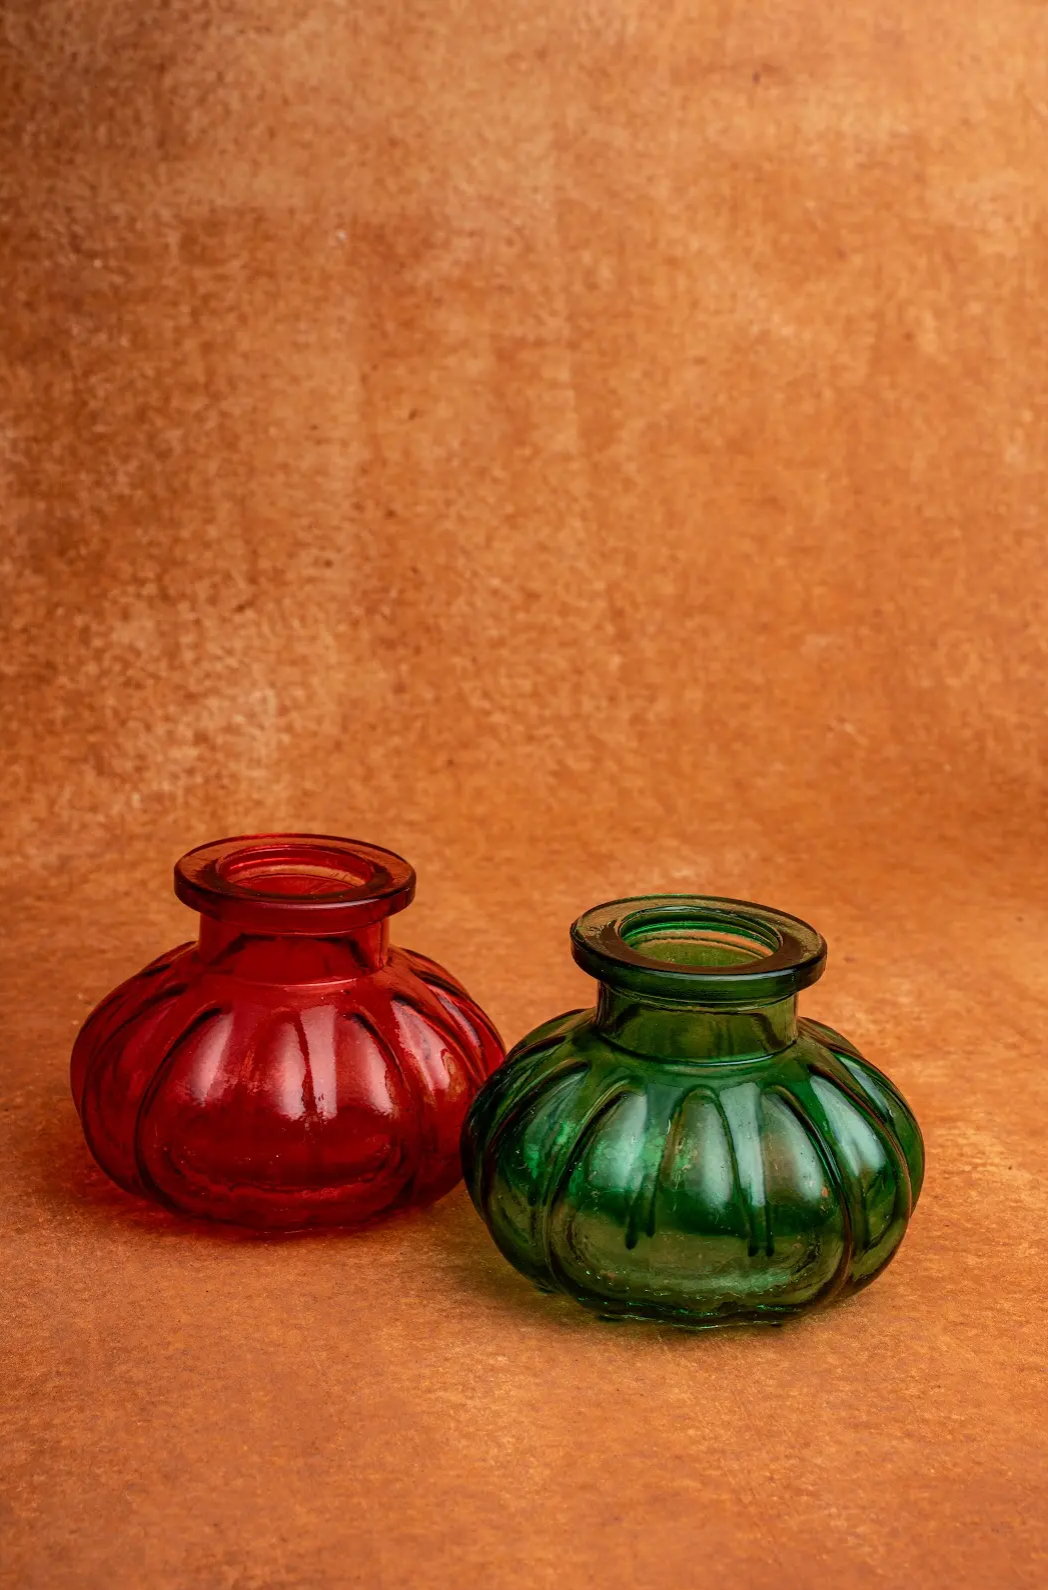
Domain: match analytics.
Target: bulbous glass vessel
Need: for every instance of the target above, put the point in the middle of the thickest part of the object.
(689, 1151)
(290, 1068)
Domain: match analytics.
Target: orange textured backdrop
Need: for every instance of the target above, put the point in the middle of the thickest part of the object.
(590, 447)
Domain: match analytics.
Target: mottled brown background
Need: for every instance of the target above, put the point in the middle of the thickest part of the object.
(592, 447)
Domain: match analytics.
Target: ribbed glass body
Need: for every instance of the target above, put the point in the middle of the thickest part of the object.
(689, 1150)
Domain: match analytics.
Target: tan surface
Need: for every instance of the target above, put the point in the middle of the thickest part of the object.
(591, 448)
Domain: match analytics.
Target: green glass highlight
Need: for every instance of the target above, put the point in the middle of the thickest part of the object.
(689, 1150)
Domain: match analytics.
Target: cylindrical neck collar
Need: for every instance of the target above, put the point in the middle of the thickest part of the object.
(694, 1032)
(291, 958)
(293, 908)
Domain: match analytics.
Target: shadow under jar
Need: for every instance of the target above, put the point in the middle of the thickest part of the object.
(689, 1151)
(291, 1068)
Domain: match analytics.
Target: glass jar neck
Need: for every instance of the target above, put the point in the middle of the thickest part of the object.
(292, 957)
(691, 1031)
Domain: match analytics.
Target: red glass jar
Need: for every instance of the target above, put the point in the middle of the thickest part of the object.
(291, 1068)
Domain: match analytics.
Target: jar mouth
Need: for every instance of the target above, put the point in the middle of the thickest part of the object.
(294, 883)
(698, 949)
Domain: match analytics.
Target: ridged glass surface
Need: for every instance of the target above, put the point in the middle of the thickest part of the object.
(681, 1161)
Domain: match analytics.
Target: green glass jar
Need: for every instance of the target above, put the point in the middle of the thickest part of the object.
(689, 1151)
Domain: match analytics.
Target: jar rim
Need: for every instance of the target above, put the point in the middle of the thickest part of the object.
(294, 883)
(788, 953)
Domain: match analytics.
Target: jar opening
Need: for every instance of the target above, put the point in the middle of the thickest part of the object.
(698, 949)
(293, 868)
(698, 940)
(294, 883)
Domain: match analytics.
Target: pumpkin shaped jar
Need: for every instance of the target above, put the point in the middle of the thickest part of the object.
(688, 1150)
(290, 1068)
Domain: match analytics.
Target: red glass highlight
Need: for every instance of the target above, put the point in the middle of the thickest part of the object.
(291, 1068)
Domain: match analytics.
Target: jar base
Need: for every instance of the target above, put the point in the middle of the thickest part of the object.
(642, 1316)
